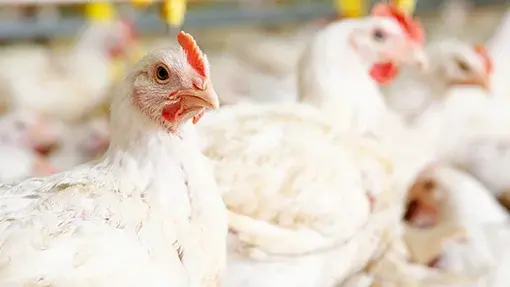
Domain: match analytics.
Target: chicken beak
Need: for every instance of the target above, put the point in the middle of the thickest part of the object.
(207, 96)
(419, 59)
(483, 82)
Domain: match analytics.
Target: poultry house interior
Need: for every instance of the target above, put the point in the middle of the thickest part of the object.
(398, 109)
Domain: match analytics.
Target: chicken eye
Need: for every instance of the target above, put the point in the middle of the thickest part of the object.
(162, 74)
(379, 35)
(463, 66)
(429, 185)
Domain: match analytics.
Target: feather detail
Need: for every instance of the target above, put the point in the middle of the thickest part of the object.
(482, 51)
(194, 55)
(412, 27)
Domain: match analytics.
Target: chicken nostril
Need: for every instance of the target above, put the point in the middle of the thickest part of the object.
(371, 201)
(435, 262)
(411, 210)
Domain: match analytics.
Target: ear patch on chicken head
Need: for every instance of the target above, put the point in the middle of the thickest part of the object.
(412, 27)
(480, 50)
(194, 55)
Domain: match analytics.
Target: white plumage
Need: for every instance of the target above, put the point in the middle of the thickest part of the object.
(481, 252)
(297, 179)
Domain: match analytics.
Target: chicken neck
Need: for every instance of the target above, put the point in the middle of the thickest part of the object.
(333, 77)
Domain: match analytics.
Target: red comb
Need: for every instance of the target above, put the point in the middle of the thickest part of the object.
(194, 55)
(480, 50)
(412, 27)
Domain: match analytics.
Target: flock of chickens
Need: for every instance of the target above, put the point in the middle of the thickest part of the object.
(350, 154)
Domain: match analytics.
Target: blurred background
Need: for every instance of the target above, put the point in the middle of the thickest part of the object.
(60, 59)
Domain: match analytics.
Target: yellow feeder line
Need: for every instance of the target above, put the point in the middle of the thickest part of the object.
(100, 11)
(173, 11)
(408, 6)
(350, 8)
(141, 3)
(105, 12)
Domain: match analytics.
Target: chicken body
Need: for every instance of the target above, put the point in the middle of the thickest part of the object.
(113, 223)
(146, 214)
(307, 197)
(477, 248)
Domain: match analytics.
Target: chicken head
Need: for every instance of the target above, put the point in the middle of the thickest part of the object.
(423, 202)
(31, 130)
(462, 64)
(387, 39)
(171, 88)
(122, 40)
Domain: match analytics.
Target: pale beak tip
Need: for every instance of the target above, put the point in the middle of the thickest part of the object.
(213, 102)
(422, 64)
(485, 84)
(211, 97)
(421, 61)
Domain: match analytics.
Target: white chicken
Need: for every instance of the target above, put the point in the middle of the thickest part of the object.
(81, 143)
(147, 214)
(30, 130)
(369, 59)
(482, 119)
(366, 56)
(297, 183)
(457, 225)
(465, 123)
(452, 63)
(66, 85)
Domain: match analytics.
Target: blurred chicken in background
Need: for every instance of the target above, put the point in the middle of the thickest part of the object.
(81, 143)
(452, 63)
(32, 131)
(455, 224)
(65, 85)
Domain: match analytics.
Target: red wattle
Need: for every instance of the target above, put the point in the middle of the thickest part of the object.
(384, 73)
(198, 116)
(172, 112)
